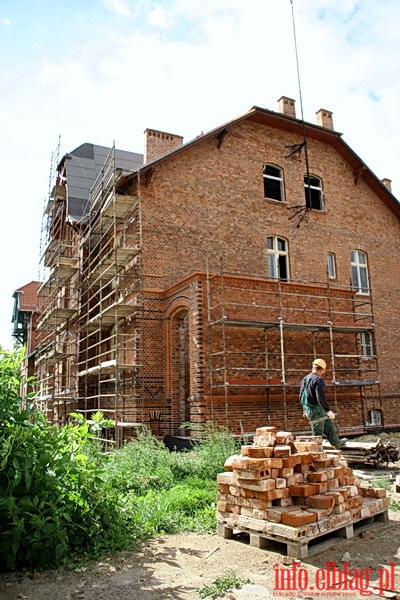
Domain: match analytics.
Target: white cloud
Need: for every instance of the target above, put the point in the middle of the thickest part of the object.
(160, 17)
(121, 7)
(6, 22)
(186, 66)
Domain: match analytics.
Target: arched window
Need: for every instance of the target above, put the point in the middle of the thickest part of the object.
(313, 192)
(278, 264)
(367, 348)
(359, 271)
(273, 183)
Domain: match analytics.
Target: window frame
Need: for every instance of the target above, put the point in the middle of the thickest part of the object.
(274, 178)
(367, 344)
(331, 263)
(315, 188)
(275, 257)
(359, 271)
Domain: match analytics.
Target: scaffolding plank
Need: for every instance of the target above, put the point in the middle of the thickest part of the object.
(56, 316)
(355, 382)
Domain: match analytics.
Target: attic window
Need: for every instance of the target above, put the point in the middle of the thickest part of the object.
(313, 192)
(273, 183)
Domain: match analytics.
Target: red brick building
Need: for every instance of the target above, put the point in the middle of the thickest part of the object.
(24, 319)
(201, 283)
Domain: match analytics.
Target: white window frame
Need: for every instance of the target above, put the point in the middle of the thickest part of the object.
(314, 188)
(359, 272)
(274, 178)
(277, 256)
(331, 265)
(367, 345)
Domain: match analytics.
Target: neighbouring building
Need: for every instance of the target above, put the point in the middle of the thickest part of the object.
(24, 320)
(199, 281)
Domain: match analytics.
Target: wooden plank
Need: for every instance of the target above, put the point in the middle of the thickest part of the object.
(305, 546)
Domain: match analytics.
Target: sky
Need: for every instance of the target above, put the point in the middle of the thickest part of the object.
(102, 71)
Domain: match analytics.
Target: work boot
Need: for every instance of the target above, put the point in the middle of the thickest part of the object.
(342, 443)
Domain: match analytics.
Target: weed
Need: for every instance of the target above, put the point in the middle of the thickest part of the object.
(141, 465)
(382, 482)
(220, 586)
(394, 504)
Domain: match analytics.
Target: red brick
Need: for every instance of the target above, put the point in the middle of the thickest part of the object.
(275, 494)
(354, 502)
(376, 492)
(292, 461)
(284, 437)
(321, 488)
(265, 430)
(266, 439)
(282, 452)
(317, 476)
(297, 518)
(320, 501)
(302, 490)
(257, 452)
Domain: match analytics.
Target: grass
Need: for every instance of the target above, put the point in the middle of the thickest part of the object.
(220, 586)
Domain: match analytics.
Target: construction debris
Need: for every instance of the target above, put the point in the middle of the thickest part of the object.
(377, 453)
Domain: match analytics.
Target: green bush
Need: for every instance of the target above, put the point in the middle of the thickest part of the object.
(53, 501)
(187, 506)
(61, 497)
(207, 458)
(140, 465)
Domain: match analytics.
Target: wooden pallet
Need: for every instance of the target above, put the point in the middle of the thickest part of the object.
(304, 547)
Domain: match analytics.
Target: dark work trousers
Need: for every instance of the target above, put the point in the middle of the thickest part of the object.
(323, 427)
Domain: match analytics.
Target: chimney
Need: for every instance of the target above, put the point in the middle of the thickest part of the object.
(324, 118)
(388, 183)
(158, 143)
(287, 106)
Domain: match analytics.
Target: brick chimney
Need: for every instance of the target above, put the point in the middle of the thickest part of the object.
(158, 143)
(388, 183)
(324, 118)
(287, 106)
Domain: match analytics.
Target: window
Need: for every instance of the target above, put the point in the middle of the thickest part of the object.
(331, 265)
(374, 417)
(313, 192)
(273, 183)
(366, 344)
(359, 271)
(277, 258)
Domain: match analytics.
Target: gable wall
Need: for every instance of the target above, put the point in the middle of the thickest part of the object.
(207, 203)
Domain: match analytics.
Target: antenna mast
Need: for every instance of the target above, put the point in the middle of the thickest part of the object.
(301, 211)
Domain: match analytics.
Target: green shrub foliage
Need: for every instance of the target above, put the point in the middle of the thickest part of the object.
(53, 500)
(62, 497)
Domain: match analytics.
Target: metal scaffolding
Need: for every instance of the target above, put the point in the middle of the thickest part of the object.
(59, 301)
(90, 352)
(110, 324)
(264, 335)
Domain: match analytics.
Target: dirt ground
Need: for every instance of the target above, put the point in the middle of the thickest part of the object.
(176, 567)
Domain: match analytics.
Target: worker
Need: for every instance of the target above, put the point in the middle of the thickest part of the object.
(315, 405)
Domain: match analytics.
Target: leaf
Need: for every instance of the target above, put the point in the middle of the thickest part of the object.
(81, 457)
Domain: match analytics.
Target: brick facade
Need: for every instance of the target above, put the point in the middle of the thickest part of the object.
(205, 206)
(217, 338)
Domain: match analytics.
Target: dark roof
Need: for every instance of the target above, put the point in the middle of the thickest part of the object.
(281, 121)
(82, 168)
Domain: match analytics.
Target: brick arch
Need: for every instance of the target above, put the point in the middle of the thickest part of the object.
(178, 381)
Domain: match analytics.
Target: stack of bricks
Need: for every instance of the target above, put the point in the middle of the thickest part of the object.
(292, 487)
